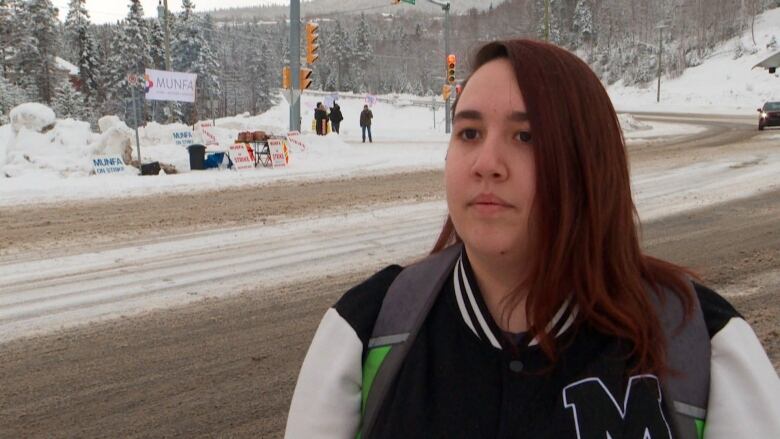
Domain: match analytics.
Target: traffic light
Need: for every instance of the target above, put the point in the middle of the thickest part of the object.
(305, 77)
(446, 91)
(312, 35)
(451, 69)
(286, 78)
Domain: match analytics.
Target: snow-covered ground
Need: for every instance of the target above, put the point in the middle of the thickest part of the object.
(56, 165)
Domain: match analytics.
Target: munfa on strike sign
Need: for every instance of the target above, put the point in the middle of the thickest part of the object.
(162, 85)
(108, 165)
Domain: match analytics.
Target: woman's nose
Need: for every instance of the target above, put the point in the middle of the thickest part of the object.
(490, 162)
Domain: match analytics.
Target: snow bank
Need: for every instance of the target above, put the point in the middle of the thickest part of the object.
(629, 123)
(106, 122)
(32, 116)
(36, 144)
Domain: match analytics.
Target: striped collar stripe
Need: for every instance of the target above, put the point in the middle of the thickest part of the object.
(469, 306)
(467, 299)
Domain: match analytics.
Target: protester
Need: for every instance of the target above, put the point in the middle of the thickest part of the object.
(336, 117)
(365, 123)
(321, 119)
(537, 314)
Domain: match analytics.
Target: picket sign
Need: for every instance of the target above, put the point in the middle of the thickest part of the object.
(294, 138)
(108, 165)
(279, 153)
(183, 138)
(207, 136)
(240, 157)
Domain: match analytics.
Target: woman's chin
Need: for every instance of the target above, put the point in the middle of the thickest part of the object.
(491, 248)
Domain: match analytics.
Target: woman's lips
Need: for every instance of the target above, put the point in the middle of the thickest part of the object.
(488, 203)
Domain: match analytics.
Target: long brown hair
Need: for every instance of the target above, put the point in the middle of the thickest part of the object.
(584, 227)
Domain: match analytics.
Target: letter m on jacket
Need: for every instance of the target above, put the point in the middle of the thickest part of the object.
(597, 414)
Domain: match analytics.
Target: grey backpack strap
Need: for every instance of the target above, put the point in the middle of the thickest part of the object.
(687, 386)
(404, 309)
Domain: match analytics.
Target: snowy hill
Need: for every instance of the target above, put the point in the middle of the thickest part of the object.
(723, 83)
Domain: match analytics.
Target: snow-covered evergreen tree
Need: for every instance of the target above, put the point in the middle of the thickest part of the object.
(129, 54)
(260, 75)
(363, 54)
(76, 20)
(68, 103)
(22, 50)
(42, 66)
(6, 34)
(583, 22)
(192, 53)
(341, 53)
(77, 30)
(156, 44)
(10, 96)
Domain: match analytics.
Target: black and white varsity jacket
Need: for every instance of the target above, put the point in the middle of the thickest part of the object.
(464, 378)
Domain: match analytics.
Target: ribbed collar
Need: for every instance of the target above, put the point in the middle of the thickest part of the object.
(477, 317)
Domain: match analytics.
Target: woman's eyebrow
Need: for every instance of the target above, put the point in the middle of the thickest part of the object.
(518, 116)
(468, 114)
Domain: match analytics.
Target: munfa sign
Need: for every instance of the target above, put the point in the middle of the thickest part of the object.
(183, 138)
(108, 165)
(162, 85)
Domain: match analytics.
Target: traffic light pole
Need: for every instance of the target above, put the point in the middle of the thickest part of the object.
(447, 115)
(445, 6)
(295, 64)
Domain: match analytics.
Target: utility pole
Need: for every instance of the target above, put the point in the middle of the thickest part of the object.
(295, 64)
(445, 6)
(546, 20)
(162, 13)
(660, 28)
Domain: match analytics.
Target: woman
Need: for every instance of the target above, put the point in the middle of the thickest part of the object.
(321, 119)
(549, 322)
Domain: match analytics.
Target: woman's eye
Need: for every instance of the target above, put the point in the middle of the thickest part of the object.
(524, 136)
(469, 134)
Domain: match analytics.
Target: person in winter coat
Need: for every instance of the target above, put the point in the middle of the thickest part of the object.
(365, 123)
(321, 119)
(537, 314)
(336, 117)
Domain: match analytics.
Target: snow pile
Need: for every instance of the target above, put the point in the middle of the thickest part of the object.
(37, 144)
(32, 116)
(402, 125)
(116, 139)
(629, 123)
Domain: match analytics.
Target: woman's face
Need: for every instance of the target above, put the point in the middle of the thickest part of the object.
(490, 173)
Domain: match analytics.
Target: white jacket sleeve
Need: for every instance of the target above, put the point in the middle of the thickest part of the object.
(326, 401)
(744, 399)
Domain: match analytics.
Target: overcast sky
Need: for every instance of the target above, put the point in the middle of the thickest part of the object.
(109, 11)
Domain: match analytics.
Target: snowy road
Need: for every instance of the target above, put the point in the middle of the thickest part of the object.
(45, 294)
